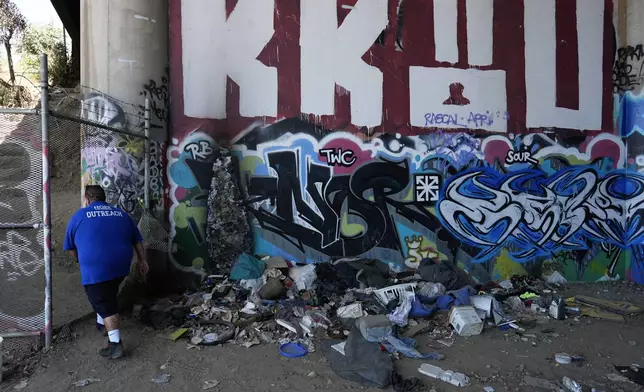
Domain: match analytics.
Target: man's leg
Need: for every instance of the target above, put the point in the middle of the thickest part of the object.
(114, 348)
(112, 324)
(100, 324)
(104, 299)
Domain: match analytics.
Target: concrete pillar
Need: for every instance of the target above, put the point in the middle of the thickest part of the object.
(124, 46)
(629, 103)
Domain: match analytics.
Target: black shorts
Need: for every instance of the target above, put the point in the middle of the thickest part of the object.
(104, 297)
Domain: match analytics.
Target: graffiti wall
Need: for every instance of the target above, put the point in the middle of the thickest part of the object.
(189, 173)
(493, 204)
(116, 161)
(492, 137)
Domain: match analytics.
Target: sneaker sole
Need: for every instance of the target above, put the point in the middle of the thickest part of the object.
(116, 356)
(113, 356)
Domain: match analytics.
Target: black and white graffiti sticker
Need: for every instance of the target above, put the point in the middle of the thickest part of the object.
(427, 187)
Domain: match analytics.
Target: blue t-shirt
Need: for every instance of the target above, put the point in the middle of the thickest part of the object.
(103, 236)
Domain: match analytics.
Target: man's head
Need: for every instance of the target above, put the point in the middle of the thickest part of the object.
(94, 193)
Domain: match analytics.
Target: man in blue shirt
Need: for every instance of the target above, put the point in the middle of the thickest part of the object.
(100, 238)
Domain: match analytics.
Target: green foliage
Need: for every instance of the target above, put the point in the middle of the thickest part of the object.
(46, 39)
(12, 23)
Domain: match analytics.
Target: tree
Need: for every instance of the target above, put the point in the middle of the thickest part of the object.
(12, 23)
(50, 40)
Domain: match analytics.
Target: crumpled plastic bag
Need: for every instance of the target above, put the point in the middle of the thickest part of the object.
(400, 315)
(303, 277)
(429, 289)
(254, 285)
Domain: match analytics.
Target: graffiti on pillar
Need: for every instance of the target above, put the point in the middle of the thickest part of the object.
(629, 113)
(156, 174)
(112, 160)
(628, 72)
(628, 80)
(158, 94)
(189, 174)
(116, 168)
(103, 110)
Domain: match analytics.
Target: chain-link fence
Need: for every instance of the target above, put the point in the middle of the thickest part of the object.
(89, 138)
(22, 286)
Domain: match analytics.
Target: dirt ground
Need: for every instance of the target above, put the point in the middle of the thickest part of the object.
(68, 295)
(498, 359)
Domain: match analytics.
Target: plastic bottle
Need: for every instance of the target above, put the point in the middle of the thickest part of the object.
(572, 385)
(557, 309)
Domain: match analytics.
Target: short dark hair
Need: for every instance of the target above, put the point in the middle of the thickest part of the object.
(94, 193)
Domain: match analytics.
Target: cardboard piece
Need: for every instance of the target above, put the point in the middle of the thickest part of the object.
(353, 310)
(465, 320)
(177, 334)
(600, 314)
(619, 307)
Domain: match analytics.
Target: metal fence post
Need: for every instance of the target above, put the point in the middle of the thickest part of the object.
(82, 146)
(147, 156)
(46, 196)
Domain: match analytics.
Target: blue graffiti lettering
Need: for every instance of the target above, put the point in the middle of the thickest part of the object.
(538, 215)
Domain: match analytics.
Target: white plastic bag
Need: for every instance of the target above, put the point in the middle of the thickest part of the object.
(303, 277)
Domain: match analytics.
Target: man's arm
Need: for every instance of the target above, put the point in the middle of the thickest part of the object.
(74, 254)
(69, 244)
(140, 251)
(140, 254)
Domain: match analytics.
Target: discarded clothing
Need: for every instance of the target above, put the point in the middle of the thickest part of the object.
(450, 276)
(401, 385)
(455, 298)
(247, 267)
(363, 273)
(407, 347)
(420, 310)
(375, 328)
(633, 373)
(363, 361)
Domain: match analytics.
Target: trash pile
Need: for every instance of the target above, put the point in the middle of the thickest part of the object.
(360, 315)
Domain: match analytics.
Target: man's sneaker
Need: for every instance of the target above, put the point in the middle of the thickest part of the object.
(101, 328)
(112, 351)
